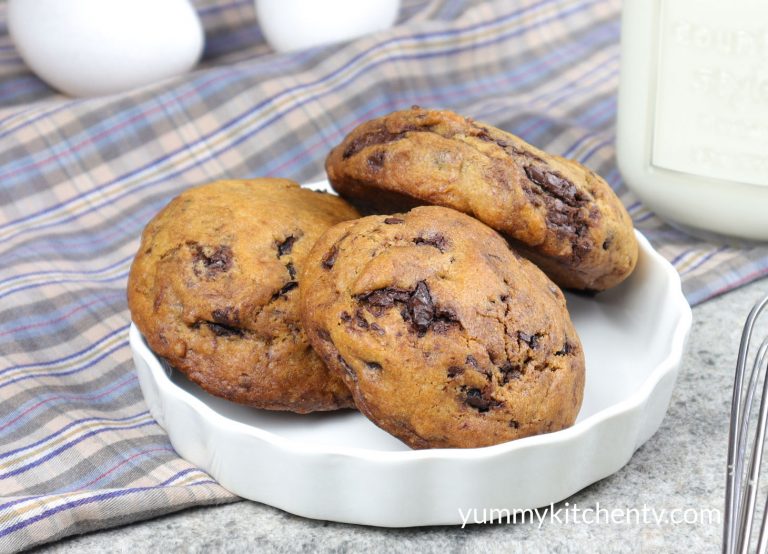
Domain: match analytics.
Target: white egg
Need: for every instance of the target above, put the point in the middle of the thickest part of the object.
(96, 47)
(294, 24)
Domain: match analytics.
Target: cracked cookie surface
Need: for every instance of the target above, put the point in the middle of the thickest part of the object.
(557, 212)
(445, 336)
(214, 290)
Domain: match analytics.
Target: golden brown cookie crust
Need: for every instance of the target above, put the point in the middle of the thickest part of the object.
(446, 337)
(214, 290)
(559, 213)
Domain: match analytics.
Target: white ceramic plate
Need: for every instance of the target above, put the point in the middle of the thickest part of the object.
(341, 467)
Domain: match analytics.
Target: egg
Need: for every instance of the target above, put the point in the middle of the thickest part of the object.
(294, 24)
(98, 47)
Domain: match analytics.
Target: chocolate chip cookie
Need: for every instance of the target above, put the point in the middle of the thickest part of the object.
(557, 212)
(445, 336)
(214, 290)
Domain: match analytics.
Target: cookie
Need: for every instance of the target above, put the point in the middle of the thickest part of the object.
(214, 290)
(445, 336)
(557, 212)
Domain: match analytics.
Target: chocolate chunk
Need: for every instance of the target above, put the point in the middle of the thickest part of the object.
(472, 361)
(385, 298)
(285, 246)
(514, 424)
(476, 399)
(563, 203)
(484, 134)
(394, 221)
(330, 257)
(510, 372)
(378, 329)
(564, 208)
(555, 185)
(376, 160)
(379, 136)
(567, 349)
(211, 259)
(344, 316)
(376, 366)
(291, 270)
(360, 320)
(404, 313)
(323, 334)
(530, 340)
(436, 240)
(416, 307)
(454, 371)
(514, 151)
(289, 286)
(226, 316)
(420, 308)
(444, 320)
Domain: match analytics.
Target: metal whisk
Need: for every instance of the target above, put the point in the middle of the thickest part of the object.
(741, 485)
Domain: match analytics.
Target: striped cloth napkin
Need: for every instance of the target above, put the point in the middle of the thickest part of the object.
(79, 178)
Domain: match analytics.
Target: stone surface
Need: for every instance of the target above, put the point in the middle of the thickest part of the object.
(681, 467)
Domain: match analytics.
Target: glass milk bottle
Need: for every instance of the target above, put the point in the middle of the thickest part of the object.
(692, 140)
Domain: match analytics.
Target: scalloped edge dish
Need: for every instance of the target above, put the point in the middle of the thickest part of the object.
(634, 337)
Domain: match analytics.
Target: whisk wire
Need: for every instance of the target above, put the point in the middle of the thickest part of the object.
(750, 494)
(740, 502)
(762, 542)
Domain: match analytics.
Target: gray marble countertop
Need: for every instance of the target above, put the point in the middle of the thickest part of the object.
(680, 468)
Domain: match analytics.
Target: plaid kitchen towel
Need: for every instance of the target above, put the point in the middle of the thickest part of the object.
(79, 178)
